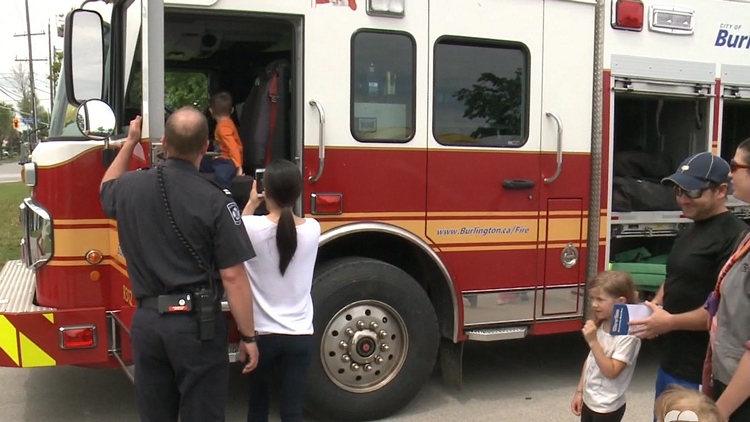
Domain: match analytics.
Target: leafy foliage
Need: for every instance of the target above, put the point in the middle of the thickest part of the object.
(496, 100)
(183, 88)
(56, 66)
(11, 194)
(180, 89)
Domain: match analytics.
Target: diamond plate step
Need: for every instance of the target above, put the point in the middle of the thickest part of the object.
(17, 285)
(497, 334)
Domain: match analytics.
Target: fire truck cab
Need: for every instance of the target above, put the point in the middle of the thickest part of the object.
(459, 155)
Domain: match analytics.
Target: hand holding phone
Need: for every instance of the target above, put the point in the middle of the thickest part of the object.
(259, 173)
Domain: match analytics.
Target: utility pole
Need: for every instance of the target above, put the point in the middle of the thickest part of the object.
(31, 60)
(50, 61)
(31, 70)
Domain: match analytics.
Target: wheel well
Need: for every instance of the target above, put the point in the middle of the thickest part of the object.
(405, 255)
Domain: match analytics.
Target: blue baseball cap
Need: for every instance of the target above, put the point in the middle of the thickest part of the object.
(697, 171)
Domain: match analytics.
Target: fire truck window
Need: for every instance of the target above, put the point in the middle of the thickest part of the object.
(181, 88)
(480, 94)
(383, 70)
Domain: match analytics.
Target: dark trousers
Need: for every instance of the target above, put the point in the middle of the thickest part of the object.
(290, 356)
(742, 414)
(207, 164)
(175, 372)
(224, 172)
(587, 415)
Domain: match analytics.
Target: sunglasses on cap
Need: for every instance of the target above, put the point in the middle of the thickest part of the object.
(691, 193)
(734, 166)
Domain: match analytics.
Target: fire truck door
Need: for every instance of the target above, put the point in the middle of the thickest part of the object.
(483, 170)
(567, 83)
(364, 122)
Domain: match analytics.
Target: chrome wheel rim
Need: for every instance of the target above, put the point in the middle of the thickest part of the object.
(364, 346)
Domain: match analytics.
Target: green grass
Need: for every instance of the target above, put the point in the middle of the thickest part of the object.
(11, 195)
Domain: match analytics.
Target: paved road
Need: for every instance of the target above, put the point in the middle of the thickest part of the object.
(10, 172)
(527, 380)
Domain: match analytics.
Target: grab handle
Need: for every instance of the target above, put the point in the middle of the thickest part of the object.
(321, 142)
(548, 180)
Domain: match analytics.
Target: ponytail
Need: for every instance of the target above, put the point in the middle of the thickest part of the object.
(286, 238)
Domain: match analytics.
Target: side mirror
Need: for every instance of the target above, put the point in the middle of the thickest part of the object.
(83, 61)
(96, 120)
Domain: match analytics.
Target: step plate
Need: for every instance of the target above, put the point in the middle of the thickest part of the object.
(17, 289)
(497, 334)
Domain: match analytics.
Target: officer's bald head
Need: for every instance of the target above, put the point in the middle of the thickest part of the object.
(186, 133)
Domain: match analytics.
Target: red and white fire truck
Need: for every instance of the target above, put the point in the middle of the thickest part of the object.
(459, 155)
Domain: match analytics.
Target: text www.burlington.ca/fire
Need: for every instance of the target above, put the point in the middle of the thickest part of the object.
(483, 231)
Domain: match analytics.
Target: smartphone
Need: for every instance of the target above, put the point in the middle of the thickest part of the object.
(259, 173)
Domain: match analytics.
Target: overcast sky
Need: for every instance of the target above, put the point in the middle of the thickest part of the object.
(12, 22)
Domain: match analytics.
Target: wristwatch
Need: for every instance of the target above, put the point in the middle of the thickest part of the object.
(248, 339)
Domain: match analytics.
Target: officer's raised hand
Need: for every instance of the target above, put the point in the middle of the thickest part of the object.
(134, 131)
(249, 350)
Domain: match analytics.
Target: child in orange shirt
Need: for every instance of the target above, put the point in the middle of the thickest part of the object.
(228, 144)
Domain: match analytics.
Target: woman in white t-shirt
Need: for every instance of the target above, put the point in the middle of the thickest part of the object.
(609, 367)
(281, 273)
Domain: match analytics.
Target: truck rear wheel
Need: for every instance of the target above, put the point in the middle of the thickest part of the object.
(377, 338)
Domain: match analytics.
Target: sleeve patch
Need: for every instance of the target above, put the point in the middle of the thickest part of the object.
(234, 211)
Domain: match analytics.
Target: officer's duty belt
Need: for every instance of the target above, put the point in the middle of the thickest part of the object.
(153, 302)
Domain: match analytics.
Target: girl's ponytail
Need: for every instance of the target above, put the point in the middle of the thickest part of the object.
(286, 238)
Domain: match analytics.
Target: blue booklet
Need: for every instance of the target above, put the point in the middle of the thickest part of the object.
(624, 313)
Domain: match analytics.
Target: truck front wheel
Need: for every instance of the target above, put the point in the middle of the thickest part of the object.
(377, 339)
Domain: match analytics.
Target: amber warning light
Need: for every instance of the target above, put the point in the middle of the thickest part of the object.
(628, 14)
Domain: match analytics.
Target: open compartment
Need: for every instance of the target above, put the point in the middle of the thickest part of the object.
(735, 126)
(652, 135)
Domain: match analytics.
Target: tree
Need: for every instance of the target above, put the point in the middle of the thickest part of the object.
(496, 100)
(56, 66)
(180, 89)
(6, 121)
(185, 88)
(22, 86)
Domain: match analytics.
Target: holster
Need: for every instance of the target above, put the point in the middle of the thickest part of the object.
(206, 312)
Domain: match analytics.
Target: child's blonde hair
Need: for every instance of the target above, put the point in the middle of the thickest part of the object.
(616, 284)
(676, 400)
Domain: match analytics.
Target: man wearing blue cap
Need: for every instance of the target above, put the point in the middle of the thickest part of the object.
(698, 253)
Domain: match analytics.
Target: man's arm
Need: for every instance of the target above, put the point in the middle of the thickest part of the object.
(120, 164)
(659, 297)
(661, 322)
(232, 248)
(695, 320)
(240, 297)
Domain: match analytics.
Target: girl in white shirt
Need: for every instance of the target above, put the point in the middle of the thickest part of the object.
(607, 372)
(281, 275)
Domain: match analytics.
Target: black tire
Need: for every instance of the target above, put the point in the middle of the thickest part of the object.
(372, 286)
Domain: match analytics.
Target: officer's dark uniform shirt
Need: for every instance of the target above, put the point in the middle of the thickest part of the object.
(158, 263)
(698, 254)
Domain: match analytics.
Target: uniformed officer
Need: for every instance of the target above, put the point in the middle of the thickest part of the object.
(179, 335)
